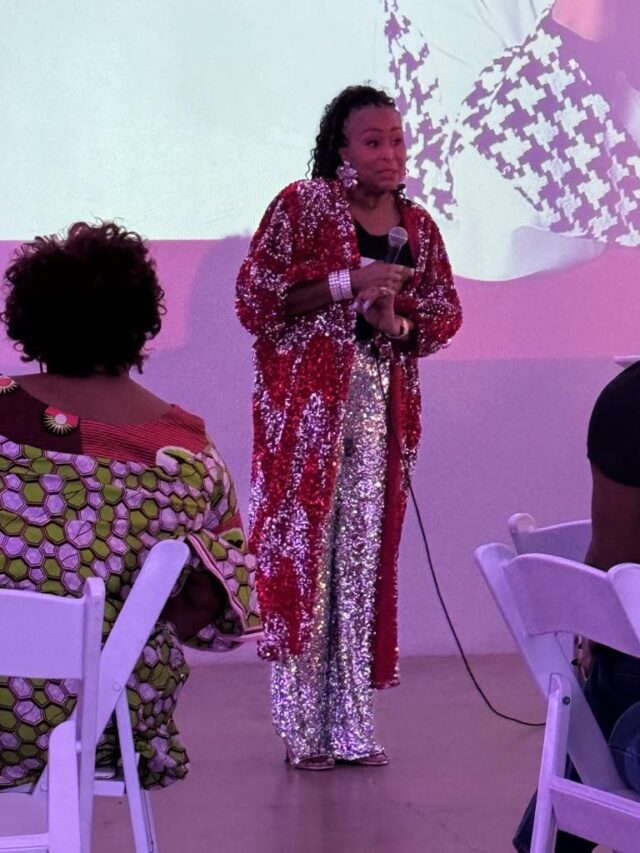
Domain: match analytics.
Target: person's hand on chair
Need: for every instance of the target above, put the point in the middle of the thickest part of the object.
(585, 657)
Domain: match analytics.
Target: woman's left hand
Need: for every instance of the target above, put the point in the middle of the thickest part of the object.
(377, 305)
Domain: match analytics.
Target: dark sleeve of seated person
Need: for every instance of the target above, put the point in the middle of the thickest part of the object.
(614, 453)
(201, 601)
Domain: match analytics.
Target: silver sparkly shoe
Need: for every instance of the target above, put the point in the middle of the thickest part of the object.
(374, 759)
(311, 762)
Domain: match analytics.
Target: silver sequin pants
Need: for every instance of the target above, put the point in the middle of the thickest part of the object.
(322, 701)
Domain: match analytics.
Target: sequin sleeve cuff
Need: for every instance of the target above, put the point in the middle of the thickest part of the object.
(431, 302)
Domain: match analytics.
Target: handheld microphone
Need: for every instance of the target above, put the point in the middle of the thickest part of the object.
(396, 238)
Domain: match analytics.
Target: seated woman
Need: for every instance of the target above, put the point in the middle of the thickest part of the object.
(94, 469)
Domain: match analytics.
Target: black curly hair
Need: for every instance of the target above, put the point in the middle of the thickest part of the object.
(325, 158)
(84, 302)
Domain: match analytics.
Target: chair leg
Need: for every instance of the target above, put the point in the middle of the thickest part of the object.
(66, 832)
(545, 827)
(553, 764)
(139, 809)
(149, 821)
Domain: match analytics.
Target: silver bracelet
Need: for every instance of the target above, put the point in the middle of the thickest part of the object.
(340, 285)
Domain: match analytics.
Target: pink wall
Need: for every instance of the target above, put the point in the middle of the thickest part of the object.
(505, 410)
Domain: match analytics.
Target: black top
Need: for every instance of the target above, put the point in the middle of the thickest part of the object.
(375, 246)
(613, 445)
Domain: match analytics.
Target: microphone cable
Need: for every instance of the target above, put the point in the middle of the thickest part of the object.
(436, 583)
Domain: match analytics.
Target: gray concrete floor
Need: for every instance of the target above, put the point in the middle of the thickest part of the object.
(457, 783)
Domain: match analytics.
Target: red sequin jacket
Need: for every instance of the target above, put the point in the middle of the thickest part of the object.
(303, 367)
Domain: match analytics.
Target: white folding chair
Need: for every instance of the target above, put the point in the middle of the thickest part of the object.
(539, 597)
(51, 637)
(569, 540)
(625, 361)
(52, 824)
(120, 654)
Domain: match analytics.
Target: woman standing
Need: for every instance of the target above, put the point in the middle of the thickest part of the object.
(337, 421)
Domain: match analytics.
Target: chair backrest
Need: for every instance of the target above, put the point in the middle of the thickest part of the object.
(135, 622)
(49, 636)
(569, 540)
(541, 596)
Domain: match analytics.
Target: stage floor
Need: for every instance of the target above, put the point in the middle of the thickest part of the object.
(457, 783)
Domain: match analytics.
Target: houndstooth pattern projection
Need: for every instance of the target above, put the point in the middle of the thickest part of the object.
(538, 117)
(427, 126)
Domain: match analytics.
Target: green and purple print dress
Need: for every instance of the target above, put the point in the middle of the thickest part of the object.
(80, 498)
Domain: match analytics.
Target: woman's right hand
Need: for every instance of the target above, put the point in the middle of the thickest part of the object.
(380, 275)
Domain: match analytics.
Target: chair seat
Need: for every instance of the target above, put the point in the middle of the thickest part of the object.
(21, 814)
(112, 787)
(106, 771)
(612, 818)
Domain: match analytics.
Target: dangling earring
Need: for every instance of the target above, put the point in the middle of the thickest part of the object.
(403, 183)
(347, 175)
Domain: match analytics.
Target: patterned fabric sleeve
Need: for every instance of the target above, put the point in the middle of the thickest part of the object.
(265, 276)
(219, 546)
(305, 234)
(431, 302)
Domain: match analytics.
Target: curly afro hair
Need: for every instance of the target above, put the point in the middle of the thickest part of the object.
(85, 302)
(324, 157)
